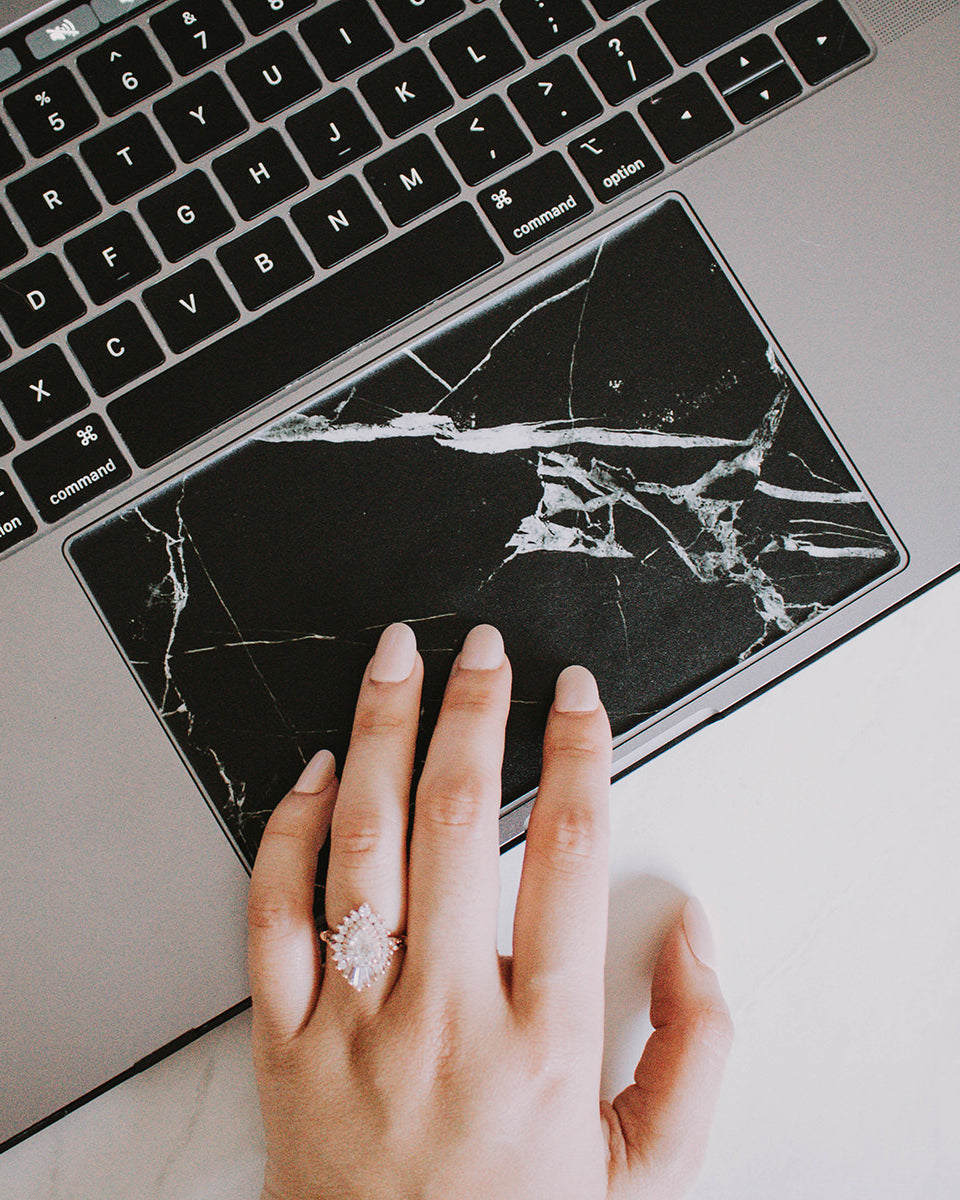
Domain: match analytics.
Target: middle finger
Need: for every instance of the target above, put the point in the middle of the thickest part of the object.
(454, 850)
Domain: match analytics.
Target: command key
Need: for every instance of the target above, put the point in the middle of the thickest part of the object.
(534, 202)
(71, 468)
(15, 520)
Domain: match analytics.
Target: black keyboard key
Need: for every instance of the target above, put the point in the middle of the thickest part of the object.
(345, 36)
(615, 157)
(261, 15)
(691, 28)
(16, 523)
(122, 70)
(543, 25)
(272, 76)
(410, 18)
(126, 158)
(411, 179)
(185, 215)
(195, 32)
(39, 299)
(53, 199)
(190, 306)
(534, 202)
(6, 440)
(624, 60)
(685, 117)
(405, 92)
(41, 391)
(338, 221)
(608, 9)
(763, 95)
(200, 116)
(483, 140)
(264, 263)
(476, 53)
(12, 245)
(115, 348)
(749, 61)
(260, 173)
(331, 316)
(111, 257)
(554, 99)
(332, 133)
(71, 468)
(822, 41)
(50, 111)
(10, 157)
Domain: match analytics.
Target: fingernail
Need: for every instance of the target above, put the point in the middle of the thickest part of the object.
(317, 774)
(395, 655)
(482, 649)
(699, 934)
(576, 691)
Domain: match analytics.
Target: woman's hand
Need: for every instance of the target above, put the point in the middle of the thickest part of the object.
(457, 1074)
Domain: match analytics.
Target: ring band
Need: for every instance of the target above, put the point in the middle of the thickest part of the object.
(361, 946)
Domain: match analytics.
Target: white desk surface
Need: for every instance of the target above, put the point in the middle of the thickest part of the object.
(820, 825)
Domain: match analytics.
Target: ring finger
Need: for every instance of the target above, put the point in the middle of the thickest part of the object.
(369, 827)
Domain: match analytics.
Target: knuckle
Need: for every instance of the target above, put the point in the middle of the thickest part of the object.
(275, 911)
(710, 1026)
(359, 831)
(468, 695)
(374, 722)
(570, 837)
(456, 801)
(580, 743)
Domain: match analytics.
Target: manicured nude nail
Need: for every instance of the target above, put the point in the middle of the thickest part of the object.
(395, 655)
(698, 932)
(576, 691)
(317, 774)
(482, 649)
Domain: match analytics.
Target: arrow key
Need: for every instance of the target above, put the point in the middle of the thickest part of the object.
(763, 95)
(822, 41)
(685, 117)
(737, 67)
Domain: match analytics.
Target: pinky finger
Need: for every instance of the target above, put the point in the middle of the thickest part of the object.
(283, 948)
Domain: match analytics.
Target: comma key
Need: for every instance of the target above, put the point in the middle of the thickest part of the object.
(71, 468)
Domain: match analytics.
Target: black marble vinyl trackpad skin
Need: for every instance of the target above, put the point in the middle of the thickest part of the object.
(610, 462)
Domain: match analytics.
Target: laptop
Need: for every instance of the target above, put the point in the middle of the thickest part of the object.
(630, 328)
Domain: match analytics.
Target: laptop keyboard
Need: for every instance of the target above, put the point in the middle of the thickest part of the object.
(203, 201)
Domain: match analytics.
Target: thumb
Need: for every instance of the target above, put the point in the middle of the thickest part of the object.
(660, 1124)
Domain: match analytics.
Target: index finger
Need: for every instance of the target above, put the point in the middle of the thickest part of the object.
(283, 946)
(560, 926)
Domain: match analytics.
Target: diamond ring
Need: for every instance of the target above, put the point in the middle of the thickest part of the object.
(361, 946)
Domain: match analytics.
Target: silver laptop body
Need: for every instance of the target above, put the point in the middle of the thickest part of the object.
(834, 215)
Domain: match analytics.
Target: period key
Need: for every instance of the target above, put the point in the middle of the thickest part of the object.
(71, 468)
